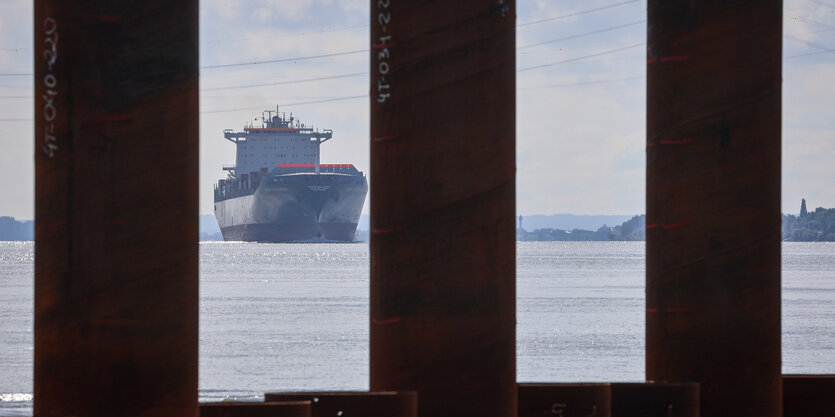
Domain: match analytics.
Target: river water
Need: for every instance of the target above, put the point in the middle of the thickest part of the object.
(295, 316)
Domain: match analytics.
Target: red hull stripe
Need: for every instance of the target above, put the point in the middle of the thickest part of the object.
(311, 166)
(271, 129)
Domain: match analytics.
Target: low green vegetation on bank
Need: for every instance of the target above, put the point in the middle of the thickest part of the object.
(809, 226)
(632, 229)
(11, 229)
(812, 226)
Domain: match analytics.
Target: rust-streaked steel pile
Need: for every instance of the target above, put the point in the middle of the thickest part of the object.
(116, 254)
(116, 286)
(443, 267)
(713, 201)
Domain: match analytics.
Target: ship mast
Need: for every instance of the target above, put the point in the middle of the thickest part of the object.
(268, 121)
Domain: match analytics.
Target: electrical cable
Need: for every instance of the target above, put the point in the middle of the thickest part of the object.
(288, 35)
(582, 12)
(816, 45)
(332, 77)
(580, 58)
(581, 83)
(821, 3)
(580, 35)
(287, 104)
(273, 61)
(828, 51)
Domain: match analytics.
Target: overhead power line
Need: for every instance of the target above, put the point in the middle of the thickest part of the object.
(360, 51)
(273, 61)
(580, 35)
(821, 3)
(260, 97)
(287, 35)
(828, 51)
(578, 13)
(816, 45)
(365, 73)
(338, 76)
(288, 104)
(581, 12)
(580, 58)
(613, 80)
(340, 98)
(332, 77)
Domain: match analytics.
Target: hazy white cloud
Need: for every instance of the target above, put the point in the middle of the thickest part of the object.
(808, 134)
(804, 22)
(580, 148)
(269, 43)
(290, 9)
(808, 169)
(16, 136)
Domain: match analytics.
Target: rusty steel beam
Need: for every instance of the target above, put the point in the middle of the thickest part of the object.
(442, 204)
(655, 399)
(713, 201)
(255, 409)
(353, 403)
(565, 400)
(808, 395)
(116, 204)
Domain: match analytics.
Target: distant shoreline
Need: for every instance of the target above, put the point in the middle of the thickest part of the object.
(814, 226)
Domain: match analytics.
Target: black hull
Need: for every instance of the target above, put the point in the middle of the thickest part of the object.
(295, 208)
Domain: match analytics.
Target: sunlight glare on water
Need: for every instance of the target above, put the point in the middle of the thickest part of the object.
(295, 316)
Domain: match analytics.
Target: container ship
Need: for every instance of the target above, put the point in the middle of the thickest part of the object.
(277, 191)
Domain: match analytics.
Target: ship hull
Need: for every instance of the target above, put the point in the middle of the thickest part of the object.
(291, 232)
(295, 208)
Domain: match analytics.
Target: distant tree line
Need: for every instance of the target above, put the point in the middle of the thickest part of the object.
(632, 229)
(815, 226)
(11, 229)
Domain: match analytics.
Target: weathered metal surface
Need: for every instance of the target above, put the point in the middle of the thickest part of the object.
(655, 399)
(565, 400)
(116, 142)
(442, 204)
(808, 395)
(354, 404)
(253, 409)
(713, 201)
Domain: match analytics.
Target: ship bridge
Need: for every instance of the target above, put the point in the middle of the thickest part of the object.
(277, 140)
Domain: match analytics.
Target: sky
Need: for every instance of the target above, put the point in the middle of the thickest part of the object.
(580, 123)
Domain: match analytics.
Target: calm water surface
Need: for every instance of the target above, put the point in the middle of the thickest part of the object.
(292, 317)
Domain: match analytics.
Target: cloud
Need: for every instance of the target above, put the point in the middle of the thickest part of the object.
(579, 148)
(808, 134)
